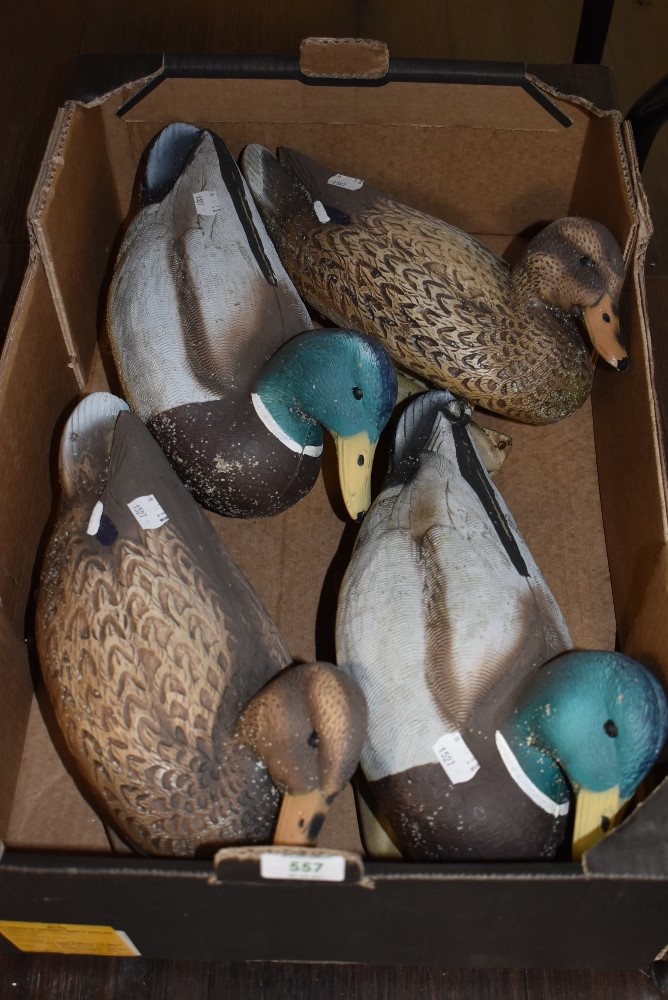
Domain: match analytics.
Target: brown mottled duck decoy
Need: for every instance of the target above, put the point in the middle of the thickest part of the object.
(215, 350)
(482, 720)
(171, 683)
(447, 308)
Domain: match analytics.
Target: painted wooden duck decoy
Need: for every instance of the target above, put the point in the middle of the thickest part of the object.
(480, 716)
(171, 683)
(447, 308)
(215, 350)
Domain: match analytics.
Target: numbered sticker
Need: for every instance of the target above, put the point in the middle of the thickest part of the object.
(206, 202)
(349, 183)
(321, 868)
(455, 758)
(148, 511)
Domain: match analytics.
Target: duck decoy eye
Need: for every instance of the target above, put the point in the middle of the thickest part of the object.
(357, 392)
(610, 728)
(314, 740)
(586, 261)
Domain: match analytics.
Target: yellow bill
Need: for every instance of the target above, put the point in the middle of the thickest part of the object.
(300, 819)
(355, 457)
(595, 814)
(602, 322)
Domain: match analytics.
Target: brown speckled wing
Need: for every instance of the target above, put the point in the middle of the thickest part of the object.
(151, 641)
(440, 300)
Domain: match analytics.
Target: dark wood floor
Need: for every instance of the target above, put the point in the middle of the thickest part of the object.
(39, 41)
(25, 978)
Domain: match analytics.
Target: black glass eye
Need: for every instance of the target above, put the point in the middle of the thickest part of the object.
(357, 392)
(586, 261)
(314, 740)
(610, 728)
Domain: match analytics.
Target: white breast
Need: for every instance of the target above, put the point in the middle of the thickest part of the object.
(433, 613)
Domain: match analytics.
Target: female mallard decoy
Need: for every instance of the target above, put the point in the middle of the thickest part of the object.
(476, 730)
(207, 333)
(165, 671)
(447, 307)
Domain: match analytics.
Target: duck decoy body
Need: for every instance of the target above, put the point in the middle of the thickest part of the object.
(447, 308)
(170, 681)
(475, 729)
(215, 350)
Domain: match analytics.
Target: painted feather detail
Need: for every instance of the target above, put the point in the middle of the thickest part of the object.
(209, 289)
(171, 709)
(435, 610)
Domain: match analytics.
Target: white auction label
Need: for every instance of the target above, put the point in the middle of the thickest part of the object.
(206, 202)
(349, 183)
(321, 211)
(95, 518)
(455, 758)
(321, 868)
(148, 511)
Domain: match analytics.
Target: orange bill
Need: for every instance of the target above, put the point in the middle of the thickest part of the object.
(602, 322)
(300, 819)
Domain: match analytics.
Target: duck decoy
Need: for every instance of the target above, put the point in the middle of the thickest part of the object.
(215, 350)
(448, 309)
(170, 681)
(481, 718)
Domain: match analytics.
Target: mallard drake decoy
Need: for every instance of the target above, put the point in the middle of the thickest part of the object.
(171, 683)
(447, 308)
(475, 728)
(215, 350)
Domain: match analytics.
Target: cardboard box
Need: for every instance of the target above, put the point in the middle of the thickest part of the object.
(497, 152)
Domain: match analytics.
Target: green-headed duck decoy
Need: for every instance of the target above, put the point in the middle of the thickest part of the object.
(481, 719)
(215, 350)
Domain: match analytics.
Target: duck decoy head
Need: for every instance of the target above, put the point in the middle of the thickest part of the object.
(341, 380)
(603, 718)
(576, 264)
(308, 724)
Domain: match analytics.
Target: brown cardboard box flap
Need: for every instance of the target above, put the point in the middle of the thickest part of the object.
(344, 58)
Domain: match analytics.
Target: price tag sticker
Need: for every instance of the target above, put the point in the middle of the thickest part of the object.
(317, 868)
(206, 202)
(455, 758)
(148, 511)
(349, 183)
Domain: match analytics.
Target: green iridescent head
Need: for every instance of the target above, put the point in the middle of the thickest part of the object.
(339, 380)
(600, 717)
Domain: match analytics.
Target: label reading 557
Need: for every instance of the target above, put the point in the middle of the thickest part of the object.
(321, 868)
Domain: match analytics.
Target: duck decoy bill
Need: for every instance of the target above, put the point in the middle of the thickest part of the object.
(595, 814)
(602, 323)
(300, 819)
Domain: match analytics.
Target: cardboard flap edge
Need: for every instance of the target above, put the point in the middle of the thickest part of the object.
(344, 58)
